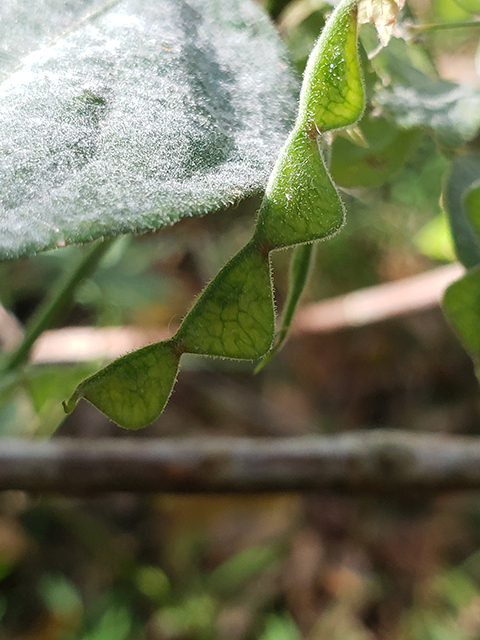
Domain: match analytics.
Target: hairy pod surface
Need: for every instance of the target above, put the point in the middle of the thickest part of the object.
(234, 316)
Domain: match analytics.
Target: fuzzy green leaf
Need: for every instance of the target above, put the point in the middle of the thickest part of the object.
(388, 148)
(127, 117)
(451, 110)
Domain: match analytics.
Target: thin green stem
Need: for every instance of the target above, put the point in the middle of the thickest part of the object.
(299, 270)
(57, 301)
(421, 28)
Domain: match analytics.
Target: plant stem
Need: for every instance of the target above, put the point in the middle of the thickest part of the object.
(299, 270)
(57, 301)
(445, 25)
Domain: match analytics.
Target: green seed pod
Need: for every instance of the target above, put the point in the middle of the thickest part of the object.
(332, 91)
(234, 317)
(133, 390)
(301, 203)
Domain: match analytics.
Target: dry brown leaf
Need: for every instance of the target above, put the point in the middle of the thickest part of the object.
(382, 14)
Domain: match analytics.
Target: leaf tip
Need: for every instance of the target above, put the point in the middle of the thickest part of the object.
(70, 404)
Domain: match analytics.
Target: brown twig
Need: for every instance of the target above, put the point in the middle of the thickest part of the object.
(380, 462)
(81, 344)
(383, 301)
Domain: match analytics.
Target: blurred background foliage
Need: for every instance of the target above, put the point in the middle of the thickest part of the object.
(285, 567)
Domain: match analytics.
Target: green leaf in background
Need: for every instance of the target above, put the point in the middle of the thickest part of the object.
(128, 117)
(461, 304)
(472, 6)
(462, 299)
(47, 387)
(280, 628)
(472, 204)
(400, 62)
(412, 95)
(230, 576)
(464, 173)
(451, 110)
(301, 29)
(435, 239)
(352, 165)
